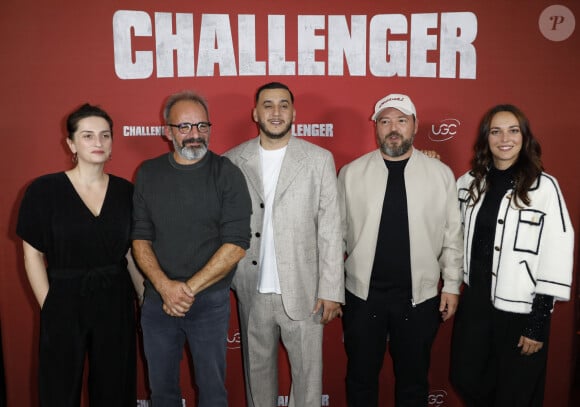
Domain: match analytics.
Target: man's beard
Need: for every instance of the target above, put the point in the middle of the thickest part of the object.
(274, 136)
(191, 153)
(396, 151)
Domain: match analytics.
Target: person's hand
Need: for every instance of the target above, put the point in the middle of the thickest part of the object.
(431, 154)
(448, 305)
(177, 298)
(330, 310)
(529, 346)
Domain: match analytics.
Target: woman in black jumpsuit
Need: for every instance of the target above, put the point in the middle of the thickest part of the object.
(75, 227)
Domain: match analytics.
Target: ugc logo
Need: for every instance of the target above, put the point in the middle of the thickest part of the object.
(436, 398)
(445, 130)
(234, 339)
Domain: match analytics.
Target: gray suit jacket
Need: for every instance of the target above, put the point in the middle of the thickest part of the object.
(307, 227)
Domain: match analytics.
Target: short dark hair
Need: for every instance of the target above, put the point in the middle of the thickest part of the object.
(180, 96)
(273, 85)
(86, 110)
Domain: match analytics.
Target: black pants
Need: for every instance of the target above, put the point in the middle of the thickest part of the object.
(410, 332)
(487, 368)
(98, 324)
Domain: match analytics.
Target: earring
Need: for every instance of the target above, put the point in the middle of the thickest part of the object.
(110, 157)
(75, 158)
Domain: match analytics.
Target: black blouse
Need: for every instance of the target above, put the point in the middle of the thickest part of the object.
(54, 220)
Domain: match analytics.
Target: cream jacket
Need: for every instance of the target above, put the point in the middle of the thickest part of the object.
(434, 223)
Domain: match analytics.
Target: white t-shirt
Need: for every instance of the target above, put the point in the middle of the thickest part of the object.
(271, 163)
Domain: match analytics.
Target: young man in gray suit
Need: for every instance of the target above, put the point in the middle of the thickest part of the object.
(291, 281)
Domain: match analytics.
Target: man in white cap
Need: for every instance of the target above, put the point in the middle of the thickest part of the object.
(402, 235)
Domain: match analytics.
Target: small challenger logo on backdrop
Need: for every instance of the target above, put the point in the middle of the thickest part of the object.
(313, 129)
(142, 130)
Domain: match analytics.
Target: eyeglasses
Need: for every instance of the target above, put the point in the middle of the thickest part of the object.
(185, 128)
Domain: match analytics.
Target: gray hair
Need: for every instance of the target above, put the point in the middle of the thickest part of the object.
(184, 95)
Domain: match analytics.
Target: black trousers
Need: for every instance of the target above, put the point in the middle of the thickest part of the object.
(98, 324)
(410, 332)
(487, 368)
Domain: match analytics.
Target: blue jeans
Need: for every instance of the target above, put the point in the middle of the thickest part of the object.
(205, 326)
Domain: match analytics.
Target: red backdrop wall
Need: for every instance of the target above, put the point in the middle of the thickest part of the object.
(454, 58)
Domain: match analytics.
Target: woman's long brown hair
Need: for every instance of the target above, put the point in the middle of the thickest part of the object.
(527, 167)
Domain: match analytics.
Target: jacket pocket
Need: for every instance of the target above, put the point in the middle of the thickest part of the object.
(529, 277)
(463, 197)
(529, 231)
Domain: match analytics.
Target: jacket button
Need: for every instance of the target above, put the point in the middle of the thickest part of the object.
(254, 262)
(497, 248)
(500, 221)
(261, 205)
(258, 234)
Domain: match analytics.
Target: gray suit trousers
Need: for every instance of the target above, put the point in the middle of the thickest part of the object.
(264, 323)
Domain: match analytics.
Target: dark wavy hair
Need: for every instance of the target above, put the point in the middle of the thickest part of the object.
(527, 167)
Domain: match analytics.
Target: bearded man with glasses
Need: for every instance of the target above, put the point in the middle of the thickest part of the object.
(191, 226)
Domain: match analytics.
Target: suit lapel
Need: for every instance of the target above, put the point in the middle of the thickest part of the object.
(253, 168)
(291, 166)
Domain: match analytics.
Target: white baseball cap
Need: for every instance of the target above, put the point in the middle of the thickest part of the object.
(396, 101)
